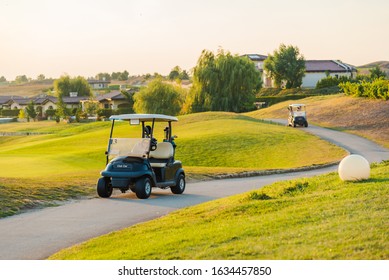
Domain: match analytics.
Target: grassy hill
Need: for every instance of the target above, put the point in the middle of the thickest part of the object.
(317, 218)
(25, 90)
(64, 160)
(383, 65)
(365, 117)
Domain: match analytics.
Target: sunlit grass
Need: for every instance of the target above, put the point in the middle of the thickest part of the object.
(316, 218)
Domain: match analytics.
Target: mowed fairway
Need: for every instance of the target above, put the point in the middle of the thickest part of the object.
(226, 142)
(67, 158)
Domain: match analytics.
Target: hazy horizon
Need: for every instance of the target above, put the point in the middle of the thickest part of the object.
(86, 37)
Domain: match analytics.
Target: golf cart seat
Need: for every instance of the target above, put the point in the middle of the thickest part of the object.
(162, 155)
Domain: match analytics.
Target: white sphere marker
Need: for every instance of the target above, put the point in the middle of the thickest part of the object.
(354, 168)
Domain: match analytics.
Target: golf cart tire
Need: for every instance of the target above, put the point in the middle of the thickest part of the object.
(143, 188)
(104, 188)
(306, 124)
(179, 188)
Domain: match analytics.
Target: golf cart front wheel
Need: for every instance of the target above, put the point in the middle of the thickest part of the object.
(180, 185)
(104, 188)
(143, 188)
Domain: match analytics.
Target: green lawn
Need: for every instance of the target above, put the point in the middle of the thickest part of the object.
(316, 218)
(69, 157)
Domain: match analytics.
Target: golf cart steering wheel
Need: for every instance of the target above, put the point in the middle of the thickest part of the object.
(153, 145)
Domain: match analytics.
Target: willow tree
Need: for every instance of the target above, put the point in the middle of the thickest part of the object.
(159, 98)
(286, 66)
(223, 82)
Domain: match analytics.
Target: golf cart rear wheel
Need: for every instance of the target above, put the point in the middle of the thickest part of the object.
(143, 188)
(179, 188)
(104, 188)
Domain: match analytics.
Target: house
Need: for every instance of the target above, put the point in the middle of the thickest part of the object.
(113, 100)
(258, 60)
(315, 70)
(46, 102)
(4, 102)
(98, 84)
(19, 102)
(73, 102)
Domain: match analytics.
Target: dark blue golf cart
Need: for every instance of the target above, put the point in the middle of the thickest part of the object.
(140, 164)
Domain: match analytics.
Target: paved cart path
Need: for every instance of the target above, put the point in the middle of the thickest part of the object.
(40, 233)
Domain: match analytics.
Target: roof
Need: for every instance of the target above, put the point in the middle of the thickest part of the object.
(114, 95)
(5, 99)
(98, 82)
(22, 100)
(327, 65)
(256, 57)
(44, 100)
(74, 100)
(144, 117)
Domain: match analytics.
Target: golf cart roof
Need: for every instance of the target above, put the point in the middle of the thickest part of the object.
(296, 105)
(144, 117)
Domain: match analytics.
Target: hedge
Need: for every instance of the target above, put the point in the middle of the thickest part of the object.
(9, 112)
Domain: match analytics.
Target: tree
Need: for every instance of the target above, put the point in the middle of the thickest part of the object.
(3, 79)
(41, 77)
(115, 75)
(65, 85)
(103, 76)
(286, 65)
(178, 73)
(158, 98)
(30, 110)
(184, 75)
(223, 82)
(121, 76)
(124, 76)
(376, 73)
(129, 95)
(174, 73)
(21, 79)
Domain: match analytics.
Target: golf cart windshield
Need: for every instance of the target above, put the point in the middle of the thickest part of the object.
(136, 147)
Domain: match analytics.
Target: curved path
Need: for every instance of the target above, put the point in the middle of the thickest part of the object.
(38, 234)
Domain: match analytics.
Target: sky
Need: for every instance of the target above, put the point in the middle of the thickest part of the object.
(86, 37)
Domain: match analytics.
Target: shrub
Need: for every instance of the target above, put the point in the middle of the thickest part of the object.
(105, 112)
(377, 89)
(50, 112)
(331, 81)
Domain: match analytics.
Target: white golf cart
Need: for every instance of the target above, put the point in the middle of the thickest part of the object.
(139, 164)
(297, 115)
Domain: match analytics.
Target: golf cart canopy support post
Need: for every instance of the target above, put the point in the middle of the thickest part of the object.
(110, 136)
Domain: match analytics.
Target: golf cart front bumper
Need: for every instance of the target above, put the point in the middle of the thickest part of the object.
(123, 179)
(124, 171)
